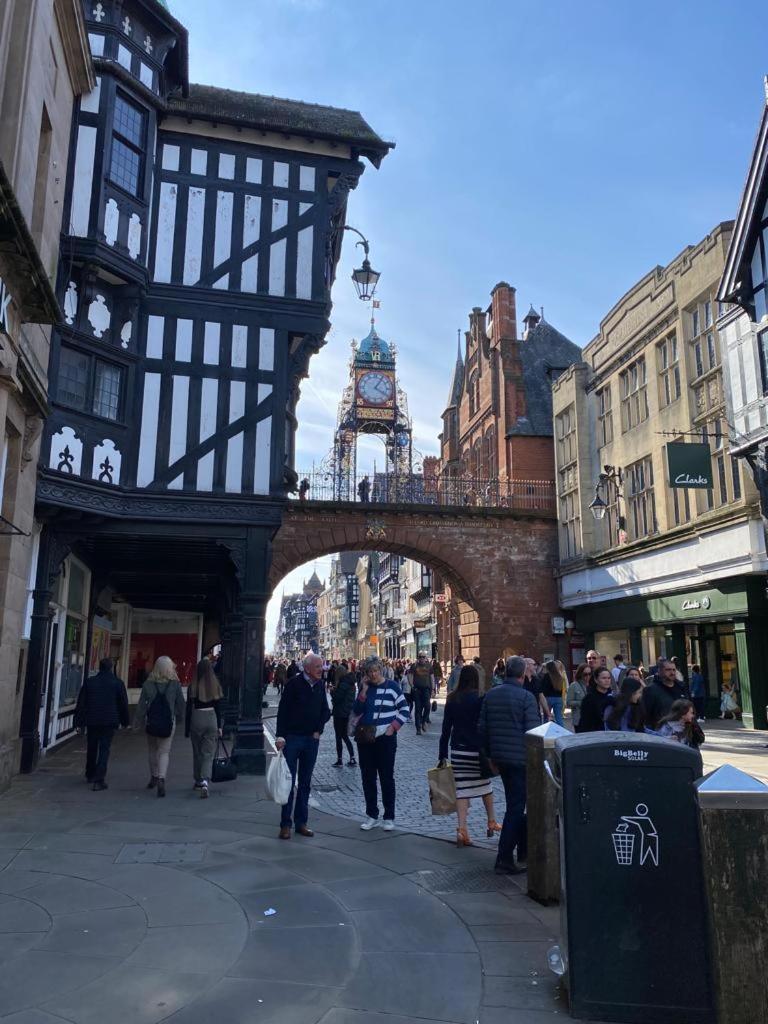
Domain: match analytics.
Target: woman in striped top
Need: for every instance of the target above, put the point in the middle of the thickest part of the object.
(462, 711)
(379, 711)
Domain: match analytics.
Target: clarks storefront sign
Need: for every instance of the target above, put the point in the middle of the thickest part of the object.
(690, 465)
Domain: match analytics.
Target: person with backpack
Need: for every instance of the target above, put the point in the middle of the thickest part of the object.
(422, 682)
(160, 706)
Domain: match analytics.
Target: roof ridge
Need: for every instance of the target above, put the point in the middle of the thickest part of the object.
(272, 96)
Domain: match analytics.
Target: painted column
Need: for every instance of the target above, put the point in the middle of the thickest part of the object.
(752, 667)
(675, 645)
(635, 645)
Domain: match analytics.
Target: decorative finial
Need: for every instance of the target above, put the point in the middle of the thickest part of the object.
(765, 86)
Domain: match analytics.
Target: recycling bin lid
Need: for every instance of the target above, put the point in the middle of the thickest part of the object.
(625, 748)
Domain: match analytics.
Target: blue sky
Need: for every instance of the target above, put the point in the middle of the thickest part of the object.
(566, 148)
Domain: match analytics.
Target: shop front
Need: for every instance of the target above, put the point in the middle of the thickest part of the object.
(723, 628)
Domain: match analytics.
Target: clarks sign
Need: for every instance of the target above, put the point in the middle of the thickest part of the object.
(690, 465)
(692, 604)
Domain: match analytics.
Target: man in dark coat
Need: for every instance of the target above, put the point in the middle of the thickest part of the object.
(660, 695)
(102, 707)
(507, 713)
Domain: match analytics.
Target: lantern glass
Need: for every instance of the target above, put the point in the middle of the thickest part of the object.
(598, 508)
(365, 279)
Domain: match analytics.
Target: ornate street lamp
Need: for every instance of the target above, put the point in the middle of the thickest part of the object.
(613, 476)
(364, 278)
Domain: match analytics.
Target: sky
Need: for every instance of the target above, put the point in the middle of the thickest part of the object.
(565, 148)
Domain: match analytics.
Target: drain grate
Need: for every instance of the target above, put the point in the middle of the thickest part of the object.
(161, 853)
(450, 880)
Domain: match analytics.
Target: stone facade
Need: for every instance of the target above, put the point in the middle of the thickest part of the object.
(44, 65)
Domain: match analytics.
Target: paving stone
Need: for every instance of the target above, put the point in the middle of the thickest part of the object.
(12, 943)
(329, 867)
(343, 1015)
(75, 896)
(247, 1001)
(170, 897)
(297, 906)
(514, 959)
(67, 842)
(32, 1017)
(400, 930)
(541, 993)
(496, 1015)
(386, 891)
(191, 949)
(97, 932)
(527, 932)
(13, 840)
(19, 915)
(315, 955)
(78, 865)
(12, 880)
(490, 908)
(242, 875)
(36, 975)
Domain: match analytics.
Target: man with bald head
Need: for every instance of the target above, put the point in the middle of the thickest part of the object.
(301, 717)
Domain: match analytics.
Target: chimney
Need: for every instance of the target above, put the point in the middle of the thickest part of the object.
(477, 322)
(504, 313)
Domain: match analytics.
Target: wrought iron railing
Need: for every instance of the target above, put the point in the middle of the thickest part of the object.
(415, 489)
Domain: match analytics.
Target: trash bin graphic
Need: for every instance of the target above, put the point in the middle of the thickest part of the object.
(624, 844)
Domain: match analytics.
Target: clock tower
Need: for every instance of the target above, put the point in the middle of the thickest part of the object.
(373, 403)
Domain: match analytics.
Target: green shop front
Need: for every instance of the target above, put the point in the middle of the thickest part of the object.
(722, 627)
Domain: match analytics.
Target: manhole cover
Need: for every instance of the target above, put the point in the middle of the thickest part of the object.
(161, 853)
(448, 880)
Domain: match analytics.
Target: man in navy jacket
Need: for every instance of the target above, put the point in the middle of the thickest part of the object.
(102, 707)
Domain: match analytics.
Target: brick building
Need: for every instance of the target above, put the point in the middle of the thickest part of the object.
(497, 425)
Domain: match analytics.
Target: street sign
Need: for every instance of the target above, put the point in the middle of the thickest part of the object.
(440, 599)
(690, 465)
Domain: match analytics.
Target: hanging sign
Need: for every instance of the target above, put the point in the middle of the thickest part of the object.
(690, 465)
(5, 301)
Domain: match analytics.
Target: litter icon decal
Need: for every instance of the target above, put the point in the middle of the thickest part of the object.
(636, 836)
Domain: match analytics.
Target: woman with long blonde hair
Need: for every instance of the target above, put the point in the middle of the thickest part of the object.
(203, 722)
(161, 688)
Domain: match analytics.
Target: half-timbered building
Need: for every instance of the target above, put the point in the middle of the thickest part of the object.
(202, 231)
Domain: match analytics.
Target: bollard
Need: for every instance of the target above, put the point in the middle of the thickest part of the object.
(733, 816)
(541, 812)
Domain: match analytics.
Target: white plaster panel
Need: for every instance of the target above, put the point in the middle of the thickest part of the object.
(177, 483)
(145, 470)
(209, 398)
(222, 244)
(184, 340)
(99, 316)
(134, 236)
(304, 208)
(96, 39)
(263, 454)
(249, 274)
(111, 221)
(264, 391)
(279, 213)
(90, 101)
(226, 165)
(236, 400)
(750, 374)
(280, 178)
(253, 170)
(251, 231)
(107, 461)
(239, 345)
(205, 472)
(70, 303)
(193, 251)
(66, 452)
(83, 180)
(170, 157)
(177, 445)
(155, 328)
(166, 223)
(304, 264)
(125, 334)
(307, 179)
(211, 343)
(147, 75)
(266, 348)
(233, 482)
(124, 56)
(277, 268)
(735, 377)
(199, 161)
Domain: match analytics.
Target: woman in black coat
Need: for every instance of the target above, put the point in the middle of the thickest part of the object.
(342, 698)
(598, 698)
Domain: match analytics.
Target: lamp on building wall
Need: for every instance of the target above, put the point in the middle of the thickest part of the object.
(612, 476)
(364, 278)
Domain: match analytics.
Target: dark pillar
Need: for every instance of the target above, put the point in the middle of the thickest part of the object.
(752, 667)
(636, 645)
(52, 552)
(254, 595)
(675, 643)
(231, 668)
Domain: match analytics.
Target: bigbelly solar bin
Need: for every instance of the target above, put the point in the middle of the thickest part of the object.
(633, 918)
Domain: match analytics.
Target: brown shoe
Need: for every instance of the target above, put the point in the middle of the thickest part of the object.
(302, 830)
(285, 833)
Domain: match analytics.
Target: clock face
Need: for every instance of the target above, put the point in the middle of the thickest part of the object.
(375, 388)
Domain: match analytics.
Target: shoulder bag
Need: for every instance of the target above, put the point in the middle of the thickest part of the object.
(223, 769)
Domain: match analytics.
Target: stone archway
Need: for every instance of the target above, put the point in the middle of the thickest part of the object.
(499, 564)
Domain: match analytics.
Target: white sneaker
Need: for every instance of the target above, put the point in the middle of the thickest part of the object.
(389, 825)
(370, 823)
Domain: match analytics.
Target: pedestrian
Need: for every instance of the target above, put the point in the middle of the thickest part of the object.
(462, 711)
(379, 711)
(421, 680)
(631, 672)
(729, 705)
(507, 713)
(453, 678)
(618, 668)
(594, 659)
(406, 686)
(680, 725)
(301, 716)
(661, 693)
(480, 673)
(303, 490)
(437, 675)
(553, 684)
(280, 677)
(342, 698)
(599, 697)
(698, 692)
(577, 691)
(161, 705)
(292, 670)
(364, 489)
(203, 723)
(101, 709)
(498, 673)
(532, 683)
(625, 712)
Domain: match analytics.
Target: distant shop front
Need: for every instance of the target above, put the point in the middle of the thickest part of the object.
(722, 627)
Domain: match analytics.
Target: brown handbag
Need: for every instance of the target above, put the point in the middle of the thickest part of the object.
(365, 734)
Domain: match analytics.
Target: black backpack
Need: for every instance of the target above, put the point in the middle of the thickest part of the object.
(159, 715)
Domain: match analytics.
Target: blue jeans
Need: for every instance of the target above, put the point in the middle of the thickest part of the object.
(514, 832)
(300, 754)
(556, 705)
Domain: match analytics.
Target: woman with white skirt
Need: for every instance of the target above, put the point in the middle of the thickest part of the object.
(462, 711)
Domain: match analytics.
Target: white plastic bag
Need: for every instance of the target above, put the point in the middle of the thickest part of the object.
(279, 781)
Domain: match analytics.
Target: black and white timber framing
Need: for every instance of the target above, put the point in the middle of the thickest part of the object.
(202, 232)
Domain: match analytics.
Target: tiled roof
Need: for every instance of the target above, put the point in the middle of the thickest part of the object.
(271, 113)
(544, 354)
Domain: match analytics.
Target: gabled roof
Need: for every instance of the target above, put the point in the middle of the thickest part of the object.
(291, 117)
(544, 354)
(736, 284)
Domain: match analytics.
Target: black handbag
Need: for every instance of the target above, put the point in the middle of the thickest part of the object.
(434, 705)
(223, 769)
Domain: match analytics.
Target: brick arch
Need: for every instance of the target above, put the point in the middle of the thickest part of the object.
(499, 564)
